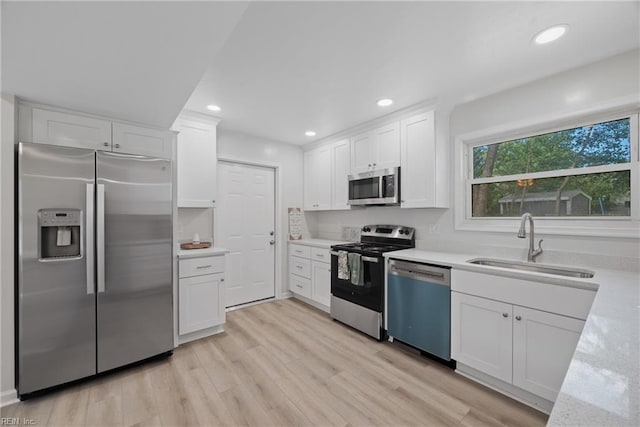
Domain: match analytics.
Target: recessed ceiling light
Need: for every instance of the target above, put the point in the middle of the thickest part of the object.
(310, 133)
(384, 102)
(550, 34)
(213, 107)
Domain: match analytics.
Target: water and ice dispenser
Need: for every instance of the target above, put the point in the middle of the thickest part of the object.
(60, 234)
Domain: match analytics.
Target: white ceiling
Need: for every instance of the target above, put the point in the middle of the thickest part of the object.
(280, 68)
(137, 61)
(289, 67)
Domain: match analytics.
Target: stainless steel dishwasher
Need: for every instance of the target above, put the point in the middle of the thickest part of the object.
(419, 306)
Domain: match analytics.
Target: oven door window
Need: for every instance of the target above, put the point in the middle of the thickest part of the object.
(370, 294)
(366, 188)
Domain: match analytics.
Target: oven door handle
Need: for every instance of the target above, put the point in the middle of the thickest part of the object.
(364, 258)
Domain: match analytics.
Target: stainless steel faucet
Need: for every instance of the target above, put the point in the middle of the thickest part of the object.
(522, 233)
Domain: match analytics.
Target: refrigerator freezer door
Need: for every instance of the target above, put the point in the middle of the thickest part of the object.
(56, 299)
(134, 223)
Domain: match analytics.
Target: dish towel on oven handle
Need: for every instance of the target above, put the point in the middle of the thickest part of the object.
(343, 265)
(356, 268)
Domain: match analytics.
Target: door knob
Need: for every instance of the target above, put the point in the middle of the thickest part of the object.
(271, 233)
(518, 318)
(505, 315)
(272, 242)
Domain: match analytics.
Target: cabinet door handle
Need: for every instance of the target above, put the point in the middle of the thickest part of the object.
(369, 164)
(106, 144)
(505, 314)
(518, 317)
(117, 145)
(222, 280)
(204, 266)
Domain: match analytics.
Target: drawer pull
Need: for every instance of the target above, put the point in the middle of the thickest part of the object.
(204, 266)
(299, 286)
(320, 255)
(298, 266)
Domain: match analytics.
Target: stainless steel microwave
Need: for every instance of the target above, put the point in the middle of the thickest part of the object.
(378, 187)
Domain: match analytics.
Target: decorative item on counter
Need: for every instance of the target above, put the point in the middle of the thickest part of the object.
(295, 224)
(191, 245)
(196, 243)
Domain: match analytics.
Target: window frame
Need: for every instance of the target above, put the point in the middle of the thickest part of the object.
(605, 226)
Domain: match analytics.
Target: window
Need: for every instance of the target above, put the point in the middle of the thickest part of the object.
(581, 171)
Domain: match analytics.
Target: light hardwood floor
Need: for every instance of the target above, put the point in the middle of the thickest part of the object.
(280, 363)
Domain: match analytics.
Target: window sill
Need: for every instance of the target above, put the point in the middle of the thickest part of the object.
(617, 227)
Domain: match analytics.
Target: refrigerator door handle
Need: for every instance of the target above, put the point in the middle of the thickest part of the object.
(89, 255)
(100, 237)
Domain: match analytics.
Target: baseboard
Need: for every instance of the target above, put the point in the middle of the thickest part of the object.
(8, 397)
(286, 295)
(522, 396)
(312, 303)
(183, 339)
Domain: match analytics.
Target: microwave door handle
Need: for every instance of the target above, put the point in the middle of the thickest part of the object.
(381, 187)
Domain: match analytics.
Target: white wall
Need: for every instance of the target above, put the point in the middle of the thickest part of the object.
(588, 87)
(243, 147)
(7, 361)
(195, 220)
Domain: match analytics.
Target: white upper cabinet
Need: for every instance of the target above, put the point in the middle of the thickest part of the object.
(419, 183)
(362, 153)
(196, 162)
(409, 143)
(386, 143)
(341, 168)
(140, 140)
(71, 130)
(55, 128)
(376, 149)
(317, 178)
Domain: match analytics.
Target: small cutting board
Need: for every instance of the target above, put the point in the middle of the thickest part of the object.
(191, 245)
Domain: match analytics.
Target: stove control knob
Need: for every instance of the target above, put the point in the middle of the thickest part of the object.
(401, 231)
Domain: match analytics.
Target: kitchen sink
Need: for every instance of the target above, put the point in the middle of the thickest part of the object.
(538, 268)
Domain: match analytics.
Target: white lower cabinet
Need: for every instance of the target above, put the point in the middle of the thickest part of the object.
(321, 282)
(201, 304)
(530, 349)
(310, 274)
(198, 302)
(482, 334)
(543, 345)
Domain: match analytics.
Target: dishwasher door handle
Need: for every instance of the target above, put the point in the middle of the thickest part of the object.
(424, 276)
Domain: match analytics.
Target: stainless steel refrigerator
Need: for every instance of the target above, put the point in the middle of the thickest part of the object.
(94, 265)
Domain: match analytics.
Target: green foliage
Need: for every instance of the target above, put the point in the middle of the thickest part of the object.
(600, 144)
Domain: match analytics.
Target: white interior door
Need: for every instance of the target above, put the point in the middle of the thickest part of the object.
(245, 219)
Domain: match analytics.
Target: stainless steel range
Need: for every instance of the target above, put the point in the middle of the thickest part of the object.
(357, 295)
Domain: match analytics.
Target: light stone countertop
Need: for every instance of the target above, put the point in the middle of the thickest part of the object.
(317, 243)
(602, 385)
(199, 253)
